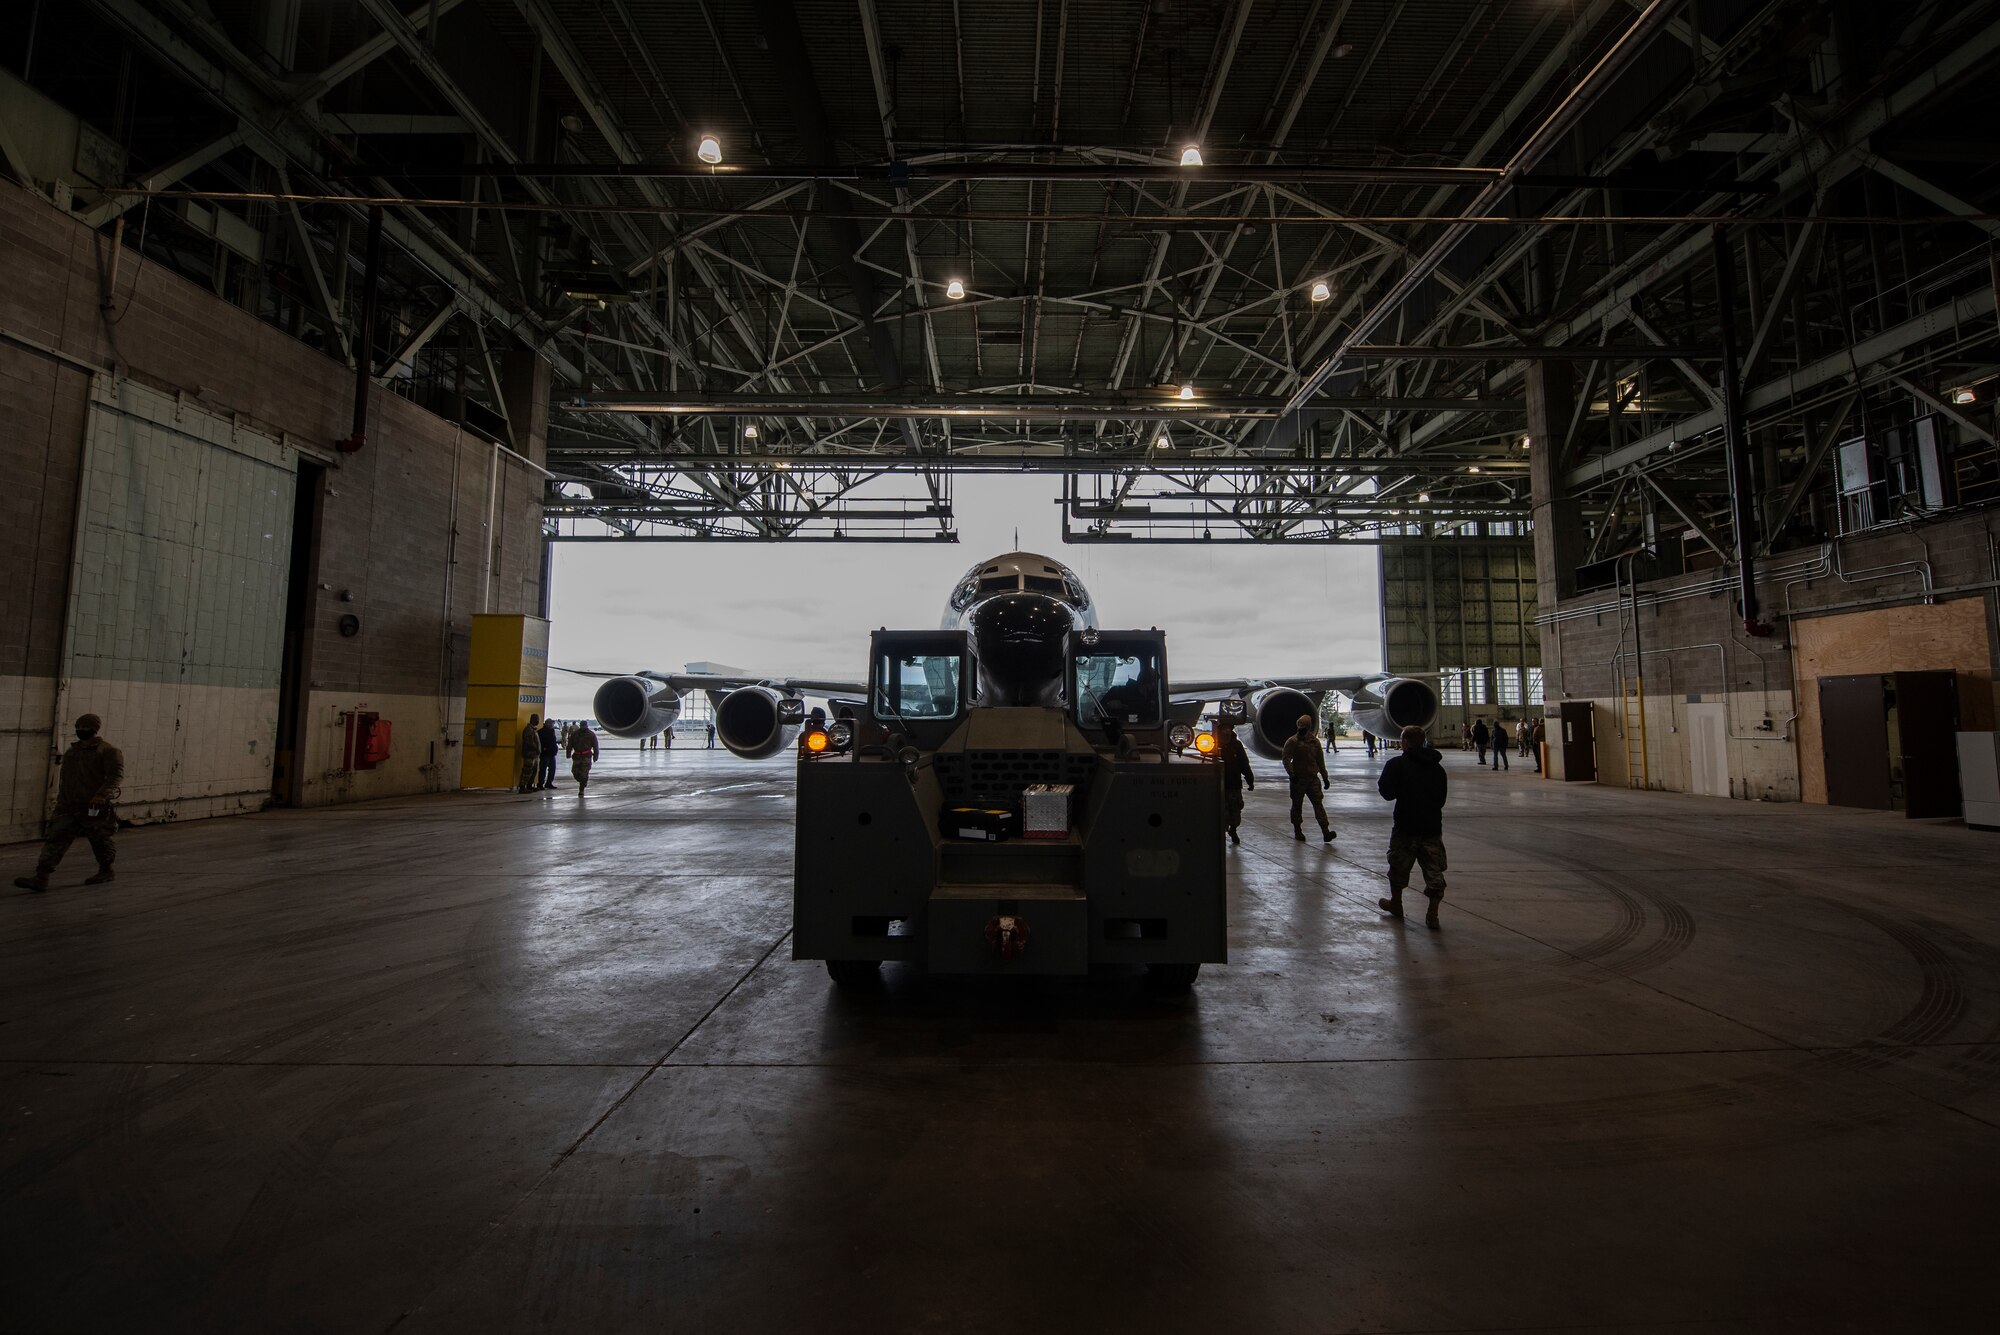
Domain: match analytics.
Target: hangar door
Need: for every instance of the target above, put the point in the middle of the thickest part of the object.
(175, 626)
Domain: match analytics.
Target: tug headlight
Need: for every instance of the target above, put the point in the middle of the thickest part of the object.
(841, 734)
(1180, 735)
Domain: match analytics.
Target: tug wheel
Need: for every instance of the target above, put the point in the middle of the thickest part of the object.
(853, 973)
(1172, 977)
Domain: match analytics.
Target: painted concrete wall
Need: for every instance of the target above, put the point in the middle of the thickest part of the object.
(1894, 600)
(403, 533)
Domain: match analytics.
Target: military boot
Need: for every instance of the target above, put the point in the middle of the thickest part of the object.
(1393, 905)
(36, 883)
(104, 873)
(1431, 915)
(1299, 833)
(1326, 834)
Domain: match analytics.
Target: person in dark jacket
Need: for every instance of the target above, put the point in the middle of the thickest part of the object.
(86, 788)
(1500, 745)
(1236, 775)
(1415, 782)
(531, 754)
(550, 750)
(1479, 736)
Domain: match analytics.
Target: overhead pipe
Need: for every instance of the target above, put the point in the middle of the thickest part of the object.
(1044, 408)
(1651, 22)
(364, 352)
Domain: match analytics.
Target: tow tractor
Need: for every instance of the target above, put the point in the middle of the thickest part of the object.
(1007, 839)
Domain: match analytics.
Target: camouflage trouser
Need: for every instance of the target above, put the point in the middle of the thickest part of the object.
(531, 771)
(1232, 807)
(1423, 850)
(1308, 792)
(579, 768)
(68, 827)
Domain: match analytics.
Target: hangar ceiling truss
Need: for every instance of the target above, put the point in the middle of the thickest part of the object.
(947, 238)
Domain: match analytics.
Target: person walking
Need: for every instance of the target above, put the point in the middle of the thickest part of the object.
(667, 737)
(86, 790)
(1415, 782)
(1501, 744)
(1305, 766)
(582, 747)
(1479, 739)
(531, 753)
(711, 736)
(550, 751)
(1236, 775)
(1369, 738)
(1536, 736)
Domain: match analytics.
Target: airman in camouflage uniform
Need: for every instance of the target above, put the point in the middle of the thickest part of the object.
(87, 787)
(1305, 764)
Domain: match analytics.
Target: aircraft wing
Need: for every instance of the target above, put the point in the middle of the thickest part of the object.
(1210, 690)
(729, 679)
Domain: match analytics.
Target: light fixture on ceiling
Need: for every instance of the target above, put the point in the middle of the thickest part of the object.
(709, 150)
(1423, 498)
(1321, 292)
(1473, 469)
(1191, 156)
(1526, 441)
(1187, 391)
(1163, 441)
(750, 431)
(1964, 395)
(955, 290)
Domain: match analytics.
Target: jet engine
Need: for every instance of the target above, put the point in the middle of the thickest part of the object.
(1274, 716)
(747, 722)
(635, 706)
(1387, 705)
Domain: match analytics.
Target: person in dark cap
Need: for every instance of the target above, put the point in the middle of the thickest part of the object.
(87, 787)
(551, 750)
(1415, 782)
(1305, 765)
(1236, 775)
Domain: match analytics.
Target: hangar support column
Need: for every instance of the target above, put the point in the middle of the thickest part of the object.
(1559, 536)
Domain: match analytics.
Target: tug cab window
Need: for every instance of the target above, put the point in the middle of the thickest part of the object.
(918, 686)
(1122, 688)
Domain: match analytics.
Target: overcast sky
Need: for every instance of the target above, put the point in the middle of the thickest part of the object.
(806, 609)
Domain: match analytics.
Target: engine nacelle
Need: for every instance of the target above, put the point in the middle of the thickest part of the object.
(747, 722)
(635, 706)
(1274, 716)
(1387, 705)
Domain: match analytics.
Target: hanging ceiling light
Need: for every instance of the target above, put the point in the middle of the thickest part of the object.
(750, 431)
(1187, 391)
(709, 150)
(1163, 441)
(1321, 291)
(1191, 156)
(1526, 441)
(955, 290)
(1473, 469)
(1966, 395)
(1423, 498)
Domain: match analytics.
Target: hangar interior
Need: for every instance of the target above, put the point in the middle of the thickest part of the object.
(1652, 343)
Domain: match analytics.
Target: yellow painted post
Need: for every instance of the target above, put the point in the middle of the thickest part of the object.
(507, 679)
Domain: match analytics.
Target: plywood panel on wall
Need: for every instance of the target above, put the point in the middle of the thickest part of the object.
(1949, 635)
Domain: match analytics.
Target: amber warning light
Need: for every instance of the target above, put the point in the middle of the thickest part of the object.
(1205, 743)
(816, 741)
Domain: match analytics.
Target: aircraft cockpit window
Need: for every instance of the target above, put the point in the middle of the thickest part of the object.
(1118, 688)
(1043, 584)
(998, 584)
(917, 686)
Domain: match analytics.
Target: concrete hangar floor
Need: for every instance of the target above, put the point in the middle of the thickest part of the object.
(484, 1062)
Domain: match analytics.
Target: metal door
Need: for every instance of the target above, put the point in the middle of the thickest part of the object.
(1927, 736)
(1708, 750)
(1854, 738)
(1579, 742)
